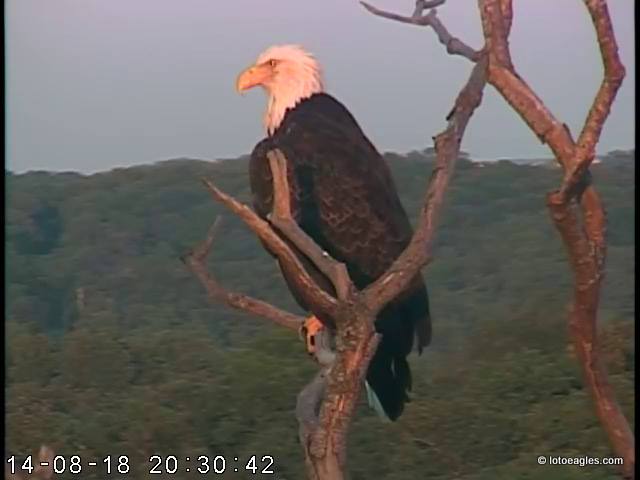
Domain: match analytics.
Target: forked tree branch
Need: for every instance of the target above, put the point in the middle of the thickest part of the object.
(575, 207)
(324, 431)
(454, 45)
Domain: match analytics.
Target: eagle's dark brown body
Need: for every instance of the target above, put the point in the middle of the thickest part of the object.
(343, 196)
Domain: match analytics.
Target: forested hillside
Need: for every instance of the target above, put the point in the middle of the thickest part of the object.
(113, 348)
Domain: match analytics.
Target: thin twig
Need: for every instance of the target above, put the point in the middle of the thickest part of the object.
(454, 45)
(196, 261)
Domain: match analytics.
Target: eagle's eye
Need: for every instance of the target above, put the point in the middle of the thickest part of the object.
(272, 63)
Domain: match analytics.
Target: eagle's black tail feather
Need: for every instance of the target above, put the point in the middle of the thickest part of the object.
(388, 382)
(389, 375)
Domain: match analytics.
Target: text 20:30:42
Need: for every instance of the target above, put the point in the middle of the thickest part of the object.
(204, 464)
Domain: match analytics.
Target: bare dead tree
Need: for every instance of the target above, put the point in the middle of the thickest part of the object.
(326, 405)
(576, 208)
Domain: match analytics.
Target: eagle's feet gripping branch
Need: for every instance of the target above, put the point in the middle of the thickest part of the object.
(309, 331)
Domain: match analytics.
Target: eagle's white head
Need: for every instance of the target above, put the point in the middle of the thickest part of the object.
(288, 74)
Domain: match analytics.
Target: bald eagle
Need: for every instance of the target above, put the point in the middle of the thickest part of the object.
(342, 196)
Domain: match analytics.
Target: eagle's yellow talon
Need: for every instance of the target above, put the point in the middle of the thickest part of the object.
(310, 328)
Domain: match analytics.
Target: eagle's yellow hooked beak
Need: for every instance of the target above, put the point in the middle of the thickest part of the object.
(253, 76)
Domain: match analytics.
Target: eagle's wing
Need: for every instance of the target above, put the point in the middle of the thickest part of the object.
(342, 195)
(261, 181)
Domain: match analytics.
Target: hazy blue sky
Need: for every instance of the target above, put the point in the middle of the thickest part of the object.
(95, 84)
